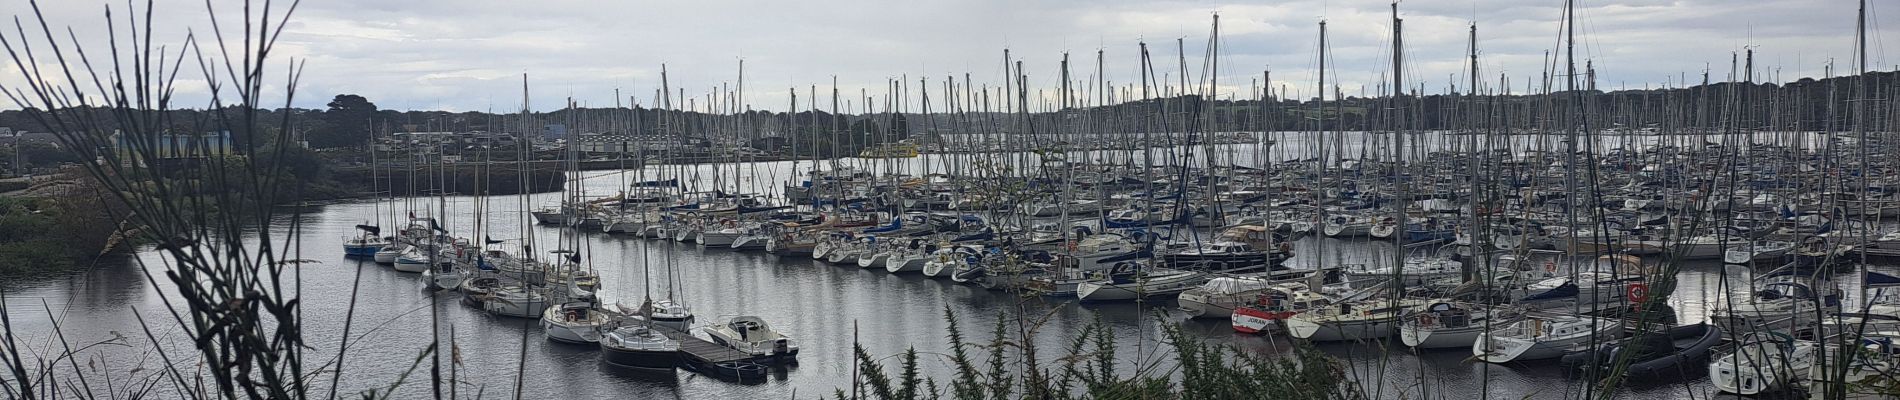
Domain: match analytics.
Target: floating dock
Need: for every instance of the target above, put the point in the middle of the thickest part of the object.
(706, 357)
(701, 352)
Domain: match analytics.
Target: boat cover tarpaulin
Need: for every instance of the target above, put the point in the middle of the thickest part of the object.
(1226, 285)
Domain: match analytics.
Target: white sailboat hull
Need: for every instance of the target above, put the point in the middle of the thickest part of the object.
(1439, 338)
(1160, 286)
(386, 256)
(905, 264)
(411, 265)
(717, 239)
(1330, 331)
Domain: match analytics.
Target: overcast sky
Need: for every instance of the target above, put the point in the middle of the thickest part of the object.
(470, 54)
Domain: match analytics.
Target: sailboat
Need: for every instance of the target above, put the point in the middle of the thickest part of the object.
(1453, 324)
(641, 347)
(516, 300)
(414, 259)
(366, 244)
(1543, 336)
(1347, 320)
(576, 321)
(1132, 280)
(1761, 363)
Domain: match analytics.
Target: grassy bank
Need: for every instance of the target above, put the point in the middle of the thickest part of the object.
(42, 235)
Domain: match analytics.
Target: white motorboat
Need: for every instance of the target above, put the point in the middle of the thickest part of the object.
(751, 335)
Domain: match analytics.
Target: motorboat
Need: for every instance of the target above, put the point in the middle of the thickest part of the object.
(751, 335)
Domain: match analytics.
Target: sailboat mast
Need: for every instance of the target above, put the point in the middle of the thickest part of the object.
(1319, 164)
(1471, 167)
(1400, 197)
(1570, 130)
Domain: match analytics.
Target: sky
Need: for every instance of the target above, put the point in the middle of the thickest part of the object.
(471, 55)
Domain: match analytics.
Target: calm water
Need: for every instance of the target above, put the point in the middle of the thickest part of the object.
(823, 306)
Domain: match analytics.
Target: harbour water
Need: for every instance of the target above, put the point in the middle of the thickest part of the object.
(827, 308)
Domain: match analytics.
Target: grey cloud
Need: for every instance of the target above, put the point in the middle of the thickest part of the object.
(470, 54)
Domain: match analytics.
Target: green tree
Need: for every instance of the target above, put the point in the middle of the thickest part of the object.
(346, 124)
